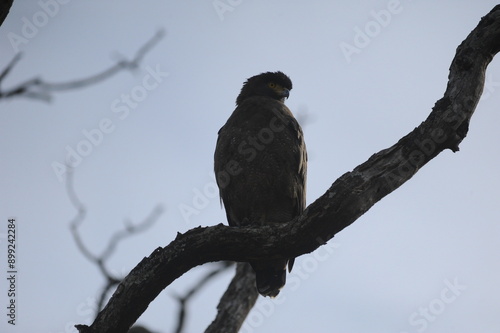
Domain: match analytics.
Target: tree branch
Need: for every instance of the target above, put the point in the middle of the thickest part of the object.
(37, 88)
(100, 260)
(183, 300)
(348, 198)
(236, 302)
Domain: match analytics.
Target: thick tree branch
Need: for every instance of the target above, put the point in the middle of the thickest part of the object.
(348, 198)
(236, 302)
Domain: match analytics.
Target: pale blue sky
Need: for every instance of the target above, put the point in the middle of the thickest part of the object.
(432, 244)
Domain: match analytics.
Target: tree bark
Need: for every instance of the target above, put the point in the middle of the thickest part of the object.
(348, 198)
(236, 302)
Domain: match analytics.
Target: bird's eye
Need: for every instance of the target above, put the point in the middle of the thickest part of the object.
(271, 85)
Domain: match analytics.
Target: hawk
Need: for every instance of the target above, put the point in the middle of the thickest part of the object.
(260, 166)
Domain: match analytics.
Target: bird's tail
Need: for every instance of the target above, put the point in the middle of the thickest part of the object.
(270, 276)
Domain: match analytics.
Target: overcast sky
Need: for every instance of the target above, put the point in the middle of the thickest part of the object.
(365, 73)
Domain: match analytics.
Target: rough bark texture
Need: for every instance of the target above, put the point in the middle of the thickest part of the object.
(347, 199)
(236, 302)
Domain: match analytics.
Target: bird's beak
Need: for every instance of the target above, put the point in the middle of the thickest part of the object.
(285, 93)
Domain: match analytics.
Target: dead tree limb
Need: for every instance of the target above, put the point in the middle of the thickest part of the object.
(100, 260)
(37, 88)
(348, 198)
(183, 300)
(236, 302)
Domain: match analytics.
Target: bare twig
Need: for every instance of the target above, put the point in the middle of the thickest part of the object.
(9, 67)
(100, 260)
(220, 267)
(37, 88)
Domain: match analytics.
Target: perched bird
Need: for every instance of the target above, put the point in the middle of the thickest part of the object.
(260, 166)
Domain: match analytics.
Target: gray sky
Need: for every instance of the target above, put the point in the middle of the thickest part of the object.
(365, 73)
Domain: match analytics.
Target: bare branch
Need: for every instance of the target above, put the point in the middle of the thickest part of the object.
(100, 261)
(79, 217)
(236, 302)
(183, 300)
(9, 67)
(131, 230)
(347, 199)
(37, 88)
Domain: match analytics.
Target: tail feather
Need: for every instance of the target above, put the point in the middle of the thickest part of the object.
(270, 276)
(290, 264)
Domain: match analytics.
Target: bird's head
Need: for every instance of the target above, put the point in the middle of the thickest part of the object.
(275, 85)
